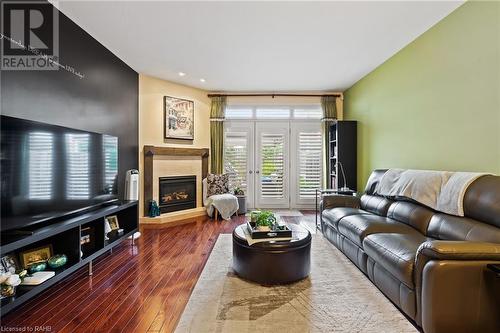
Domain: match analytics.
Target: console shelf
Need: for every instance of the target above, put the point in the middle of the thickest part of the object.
(64, 237)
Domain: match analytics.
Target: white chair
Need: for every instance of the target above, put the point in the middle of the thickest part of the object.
(224, 204)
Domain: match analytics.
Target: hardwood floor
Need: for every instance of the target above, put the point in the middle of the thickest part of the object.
(140, 288)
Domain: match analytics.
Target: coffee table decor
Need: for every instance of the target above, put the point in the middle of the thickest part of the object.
(266, 225)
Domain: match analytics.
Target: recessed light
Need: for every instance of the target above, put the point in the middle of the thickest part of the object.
(202, 80)
(182, 74)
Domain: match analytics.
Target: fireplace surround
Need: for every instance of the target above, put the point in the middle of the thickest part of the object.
(176, 193)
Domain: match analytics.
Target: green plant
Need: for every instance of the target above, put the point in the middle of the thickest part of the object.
(265, 219)
(238, 191)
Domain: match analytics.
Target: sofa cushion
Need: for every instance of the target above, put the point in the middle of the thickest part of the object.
(449, 227)
(375, 204)
(412, 214)
(395, 252)
(332, 216)
(357, 227)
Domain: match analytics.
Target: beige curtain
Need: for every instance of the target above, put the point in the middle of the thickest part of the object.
(329, 106)
(217, 114)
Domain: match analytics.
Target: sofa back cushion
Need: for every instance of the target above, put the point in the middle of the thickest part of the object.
(375, 204)
(412, 214)
(373, 180)
(449, 227)
(482, 200)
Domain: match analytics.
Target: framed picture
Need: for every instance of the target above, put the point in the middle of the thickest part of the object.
(9, 264)
(36, 255)
(113, 222)
(178, 118)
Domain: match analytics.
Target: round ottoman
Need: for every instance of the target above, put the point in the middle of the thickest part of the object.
(272, 262)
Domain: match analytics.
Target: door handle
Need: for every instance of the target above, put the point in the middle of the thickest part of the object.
(257, 171)
(250, 171)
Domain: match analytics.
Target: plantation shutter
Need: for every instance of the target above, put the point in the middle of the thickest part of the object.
(272, 165)
(309, 167)
(235, 159)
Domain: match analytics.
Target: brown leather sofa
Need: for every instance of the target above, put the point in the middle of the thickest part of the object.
(433, 266)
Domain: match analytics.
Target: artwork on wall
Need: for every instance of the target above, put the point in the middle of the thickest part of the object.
(178, 118)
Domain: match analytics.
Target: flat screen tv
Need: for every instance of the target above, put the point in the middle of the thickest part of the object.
(50, 171)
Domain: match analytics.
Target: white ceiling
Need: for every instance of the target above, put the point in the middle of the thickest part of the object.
(257, 46)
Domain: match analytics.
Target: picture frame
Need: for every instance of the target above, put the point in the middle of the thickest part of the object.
(113, 222)
(178, 118)
(39, 254)
(9, 263)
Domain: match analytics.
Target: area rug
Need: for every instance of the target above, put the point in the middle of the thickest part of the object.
(336, 297)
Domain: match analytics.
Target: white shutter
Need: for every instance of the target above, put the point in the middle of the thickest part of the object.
(272, 166)
(235, 159)
(77, 149)
(41, 148)
(309, 168)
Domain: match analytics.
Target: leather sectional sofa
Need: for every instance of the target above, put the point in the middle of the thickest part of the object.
(433, 266)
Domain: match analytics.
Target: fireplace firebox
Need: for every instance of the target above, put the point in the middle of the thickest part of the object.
(177, 193)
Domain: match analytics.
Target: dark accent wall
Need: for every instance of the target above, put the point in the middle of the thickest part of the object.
(104, 101)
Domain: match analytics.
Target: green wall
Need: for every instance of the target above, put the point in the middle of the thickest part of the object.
(436, 103)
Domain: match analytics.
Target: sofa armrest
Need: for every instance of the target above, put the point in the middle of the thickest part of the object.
(459, 250)
(442, 269)
(329, 201)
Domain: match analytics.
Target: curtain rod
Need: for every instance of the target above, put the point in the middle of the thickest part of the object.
(274, 95)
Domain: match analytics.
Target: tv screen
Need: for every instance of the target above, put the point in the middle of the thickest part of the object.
(49, 171)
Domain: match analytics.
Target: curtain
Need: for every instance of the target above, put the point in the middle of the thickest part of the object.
(217, 114)
(329, 106)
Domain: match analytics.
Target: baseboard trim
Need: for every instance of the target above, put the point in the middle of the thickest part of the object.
(174, 218)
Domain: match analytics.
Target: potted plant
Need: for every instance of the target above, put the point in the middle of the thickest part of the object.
(265, 220)
(238, 191)
(240, 194)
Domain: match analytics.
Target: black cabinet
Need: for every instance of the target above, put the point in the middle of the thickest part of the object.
(342, 160)
(68, 236)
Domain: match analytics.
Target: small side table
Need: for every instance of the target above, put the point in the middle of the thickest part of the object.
(320, 192)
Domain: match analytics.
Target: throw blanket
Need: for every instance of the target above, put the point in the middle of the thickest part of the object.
(440, 190)
(226, 204)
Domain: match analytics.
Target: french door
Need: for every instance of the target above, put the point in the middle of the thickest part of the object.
(276, 163)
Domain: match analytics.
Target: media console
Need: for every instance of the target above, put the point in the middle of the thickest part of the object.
(64, 237)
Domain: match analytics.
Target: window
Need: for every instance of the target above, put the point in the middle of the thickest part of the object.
(235, 159)
(309, 167)
(236, 113)
(274, 112)
(308, 113)
(272, 168)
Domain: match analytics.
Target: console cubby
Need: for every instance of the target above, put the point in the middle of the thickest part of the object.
(64, 235)
(95, 231)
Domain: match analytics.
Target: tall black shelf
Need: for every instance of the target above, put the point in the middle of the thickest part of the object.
(64, 236)
(343, 148)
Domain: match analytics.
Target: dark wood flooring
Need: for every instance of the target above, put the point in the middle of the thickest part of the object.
(140, 288)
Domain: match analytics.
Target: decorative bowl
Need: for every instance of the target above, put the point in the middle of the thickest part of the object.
(57, 261)
(37, 267)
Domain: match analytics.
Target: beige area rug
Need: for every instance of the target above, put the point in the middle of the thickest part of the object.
(336, 297)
